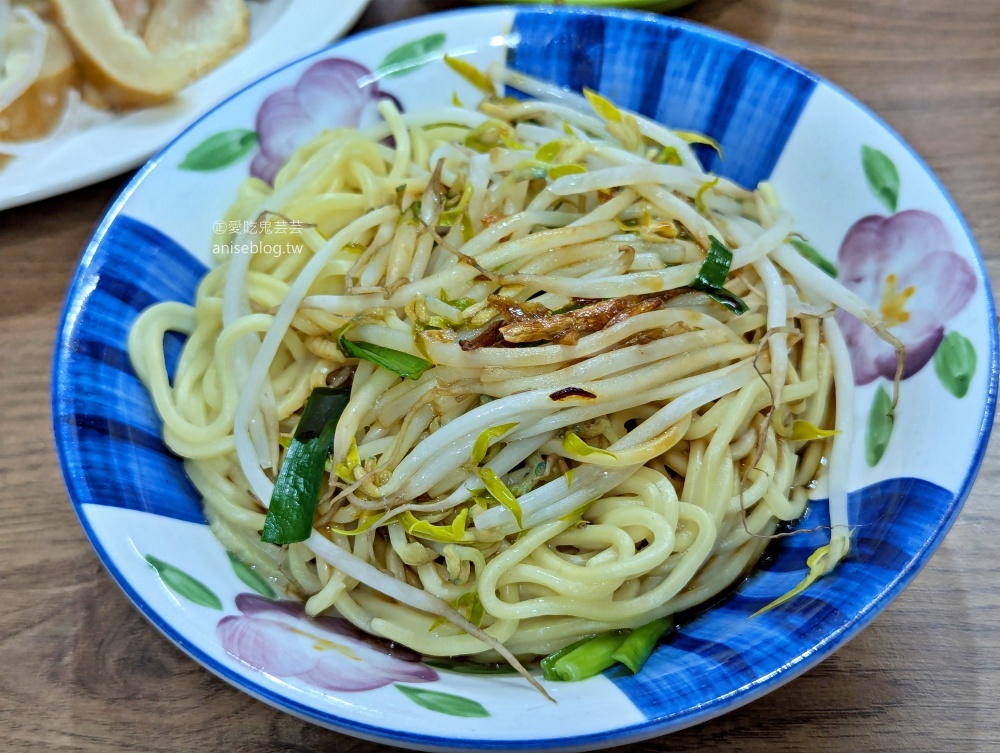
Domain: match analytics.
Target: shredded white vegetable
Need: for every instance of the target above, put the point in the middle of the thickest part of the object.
(572, 359)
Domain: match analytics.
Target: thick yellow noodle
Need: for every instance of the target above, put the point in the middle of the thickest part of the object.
(692, 404)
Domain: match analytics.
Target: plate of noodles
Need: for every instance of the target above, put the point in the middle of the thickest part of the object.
(92, 88)
(536, 379)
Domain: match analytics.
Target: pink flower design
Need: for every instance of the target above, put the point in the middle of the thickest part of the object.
(905, 268)
(328, 653)
(331, 93)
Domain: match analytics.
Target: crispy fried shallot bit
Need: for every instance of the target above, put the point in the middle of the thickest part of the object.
(513, 310)
(566, 328)
(651, 335)
(567, 392)
(489, 336)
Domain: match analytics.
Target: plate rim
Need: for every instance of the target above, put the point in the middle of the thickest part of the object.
(652, 726)
(152, 148)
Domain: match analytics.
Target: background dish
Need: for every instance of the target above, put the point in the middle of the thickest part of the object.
(110, 451)
(96, 145)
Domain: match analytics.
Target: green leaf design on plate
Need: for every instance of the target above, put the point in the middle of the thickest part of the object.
(220, 150)
(443, 703)
(183, 584)
(251, 577)
(883, 177)
(955, 363)
(410, 56)
(880, 422)
(810, 253)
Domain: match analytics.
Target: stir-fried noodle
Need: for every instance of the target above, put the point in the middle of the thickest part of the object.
(594, 432)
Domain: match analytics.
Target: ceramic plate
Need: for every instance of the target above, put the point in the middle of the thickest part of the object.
(874, 215)
(92, 145)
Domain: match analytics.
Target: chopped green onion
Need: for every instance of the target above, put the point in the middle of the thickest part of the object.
(482, 444)
(715, 269)
(590, 656)
(410, 367)
(296, 490)
(589, 659)
(712, 277)
(499, 491)
(637, 647)
(549, 661)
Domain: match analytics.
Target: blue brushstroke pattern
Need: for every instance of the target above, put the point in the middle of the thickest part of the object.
(745, 99)
(895, 519)
(108, 428)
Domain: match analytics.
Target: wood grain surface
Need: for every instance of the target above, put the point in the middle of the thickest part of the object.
(81, 670)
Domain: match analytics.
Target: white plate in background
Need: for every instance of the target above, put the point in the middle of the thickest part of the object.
(94, 145)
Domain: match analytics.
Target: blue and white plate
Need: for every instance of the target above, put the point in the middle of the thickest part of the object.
(871, 210)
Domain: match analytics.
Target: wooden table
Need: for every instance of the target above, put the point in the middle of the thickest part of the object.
(81, 670)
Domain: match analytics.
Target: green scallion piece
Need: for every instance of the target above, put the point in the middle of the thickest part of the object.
(637, 647)
(590, 659)
(296, 491)
(712, 277)
(549, 661)
(404, 364)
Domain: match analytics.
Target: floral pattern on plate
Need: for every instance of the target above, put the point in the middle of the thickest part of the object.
(772, 119)
(904, 266)
(333, 92)
(277, 637)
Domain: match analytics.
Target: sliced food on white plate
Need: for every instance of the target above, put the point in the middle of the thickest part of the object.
(90, 88)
